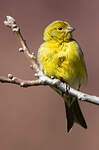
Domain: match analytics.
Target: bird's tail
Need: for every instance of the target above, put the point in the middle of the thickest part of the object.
(73, 113)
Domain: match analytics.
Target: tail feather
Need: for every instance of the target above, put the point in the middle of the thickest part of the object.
(74, 114)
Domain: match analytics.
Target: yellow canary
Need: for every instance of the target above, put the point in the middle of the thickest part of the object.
(61, 57)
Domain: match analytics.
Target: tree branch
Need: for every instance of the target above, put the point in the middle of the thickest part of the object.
(23, 83)
(42, 79)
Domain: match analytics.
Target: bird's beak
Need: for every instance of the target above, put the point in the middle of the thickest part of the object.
(70, 29)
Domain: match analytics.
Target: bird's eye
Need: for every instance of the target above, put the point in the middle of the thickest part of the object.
(60, 28)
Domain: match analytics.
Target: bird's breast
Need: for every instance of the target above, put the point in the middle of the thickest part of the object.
(63, 61)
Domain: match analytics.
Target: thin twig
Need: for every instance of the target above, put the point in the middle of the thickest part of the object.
(11, 23)
(20, 82)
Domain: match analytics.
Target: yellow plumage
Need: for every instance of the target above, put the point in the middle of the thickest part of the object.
(61, 57)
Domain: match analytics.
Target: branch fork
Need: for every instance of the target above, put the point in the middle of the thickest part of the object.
(41, 78)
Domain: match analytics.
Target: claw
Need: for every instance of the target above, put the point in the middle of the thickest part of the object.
(52, 77)
(67, 88)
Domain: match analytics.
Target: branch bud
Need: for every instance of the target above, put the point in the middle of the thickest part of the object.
(10, 76)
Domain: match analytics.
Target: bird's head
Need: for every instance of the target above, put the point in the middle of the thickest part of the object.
(59, 31)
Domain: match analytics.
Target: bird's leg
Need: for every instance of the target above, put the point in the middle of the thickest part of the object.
(52, 77)
(67, 87)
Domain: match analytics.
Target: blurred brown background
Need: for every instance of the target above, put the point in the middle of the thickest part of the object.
(34, 118)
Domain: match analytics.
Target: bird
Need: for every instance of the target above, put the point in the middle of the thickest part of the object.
(61, 57)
